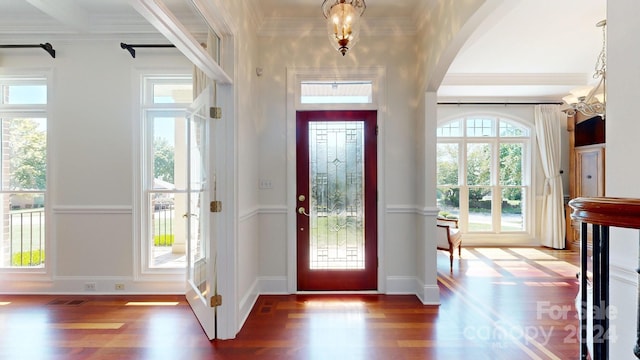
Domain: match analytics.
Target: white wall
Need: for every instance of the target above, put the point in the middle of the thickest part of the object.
(92, 149)
(621, 170)
(399, 58)
(247, 107)
(92, 117)
(441, 33)
(91, 174)
(525, 114)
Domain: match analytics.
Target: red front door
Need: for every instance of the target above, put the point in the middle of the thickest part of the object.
(336, 200)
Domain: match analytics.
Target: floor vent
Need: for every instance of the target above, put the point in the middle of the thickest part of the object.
(67, 302)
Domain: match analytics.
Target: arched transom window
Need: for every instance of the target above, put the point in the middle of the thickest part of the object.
(484, 175)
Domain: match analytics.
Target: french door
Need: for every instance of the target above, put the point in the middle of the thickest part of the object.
(201, 249)
(336, 203)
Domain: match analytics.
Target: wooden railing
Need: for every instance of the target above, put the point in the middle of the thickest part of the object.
(601, 213)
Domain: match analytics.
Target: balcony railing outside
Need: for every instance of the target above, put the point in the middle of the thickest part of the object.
(163, 215)
(26, 237)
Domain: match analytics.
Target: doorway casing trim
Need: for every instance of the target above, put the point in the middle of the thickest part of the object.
(295, 75)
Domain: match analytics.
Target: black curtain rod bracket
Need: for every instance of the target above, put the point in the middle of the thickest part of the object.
(46, 46)
(131, 47)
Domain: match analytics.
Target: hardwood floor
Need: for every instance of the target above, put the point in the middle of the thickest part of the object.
(508, 303)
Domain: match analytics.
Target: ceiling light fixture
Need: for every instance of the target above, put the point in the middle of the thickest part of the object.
(591, 100)
(343, 22)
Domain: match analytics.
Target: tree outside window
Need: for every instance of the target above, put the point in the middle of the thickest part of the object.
(481, 177)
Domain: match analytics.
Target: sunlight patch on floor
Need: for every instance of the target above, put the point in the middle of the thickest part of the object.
(496, 254)
(532, 254)
(521, 268)
(480, 269)
(504, 283)
(87, 326)
(546, 283)
(561, 267)
(152, 303)
(467, 255)
(521, 262)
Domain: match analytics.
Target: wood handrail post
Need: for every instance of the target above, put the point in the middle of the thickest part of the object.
(602, 213)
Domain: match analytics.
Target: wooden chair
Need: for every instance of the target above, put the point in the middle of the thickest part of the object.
(449, 237)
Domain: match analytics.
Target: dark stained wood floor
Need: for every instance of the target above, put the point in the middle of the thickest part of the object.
(507, 303)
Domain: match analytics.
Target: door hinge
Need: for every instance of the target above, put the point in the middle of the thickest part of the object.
(377, 129)
(215, 206)
(216, 300)
(215, 112)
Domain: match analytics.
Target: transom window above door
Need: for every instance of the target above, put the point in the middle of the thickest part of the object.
(336, 92)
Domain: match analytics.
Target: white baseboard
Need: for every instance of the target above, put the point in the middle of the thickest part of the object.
(277, 285)
(395, 285)
(428, 294)
(246, 303)
(94, 285)
(623, 275)
(402, 285)
(261, 286)
(273, 285)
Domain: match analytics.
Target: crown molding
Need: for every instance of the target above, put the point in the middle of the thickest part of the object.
(278, 26)
(523, 79)
(103, 24)
(216, 15)
(255, 15)
(505, 88)
(168, 25)
(496, 101)
(298, 26)
(151, 38)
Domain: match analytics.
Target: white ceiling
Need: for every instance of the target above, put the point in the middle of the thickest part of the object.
(527, 50)
(312, 8)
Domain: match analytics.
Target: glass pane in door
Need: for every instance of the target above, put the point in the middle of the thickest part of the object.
(197, 199)
(201, 272)
(336, 187)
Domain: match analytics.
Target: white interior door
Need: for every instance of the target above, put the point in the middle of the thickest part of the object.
(201, 273)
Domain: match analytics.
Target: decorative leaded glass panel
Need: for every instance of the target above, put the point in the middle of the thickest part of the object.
(336, 169)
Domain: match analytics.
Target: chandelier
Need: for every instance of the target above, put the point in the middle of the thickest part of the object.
(343, 22)
(591, 100)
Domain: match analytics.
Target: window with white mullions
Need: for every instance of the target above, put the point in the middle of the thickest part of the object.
(23, 128)
(336, 92)
(484, 174)
(165, 101)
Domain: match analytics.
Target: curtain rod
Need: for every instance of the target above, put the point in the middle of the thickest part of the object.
(132, 51)
(500, 103)
(46, 46)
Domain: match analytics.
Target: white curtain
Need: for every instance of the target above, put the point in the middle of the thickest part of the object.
(548, 119)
